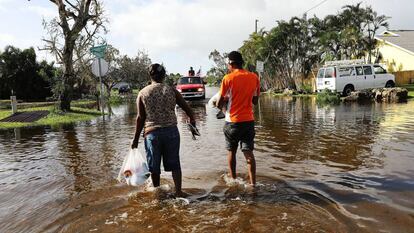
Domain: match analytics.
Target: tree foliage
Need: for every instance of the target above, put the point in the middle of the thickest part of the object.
(22, 74)
(172, 79)
(220, 65)
(133, 70)
(292, 49)
(75, 29)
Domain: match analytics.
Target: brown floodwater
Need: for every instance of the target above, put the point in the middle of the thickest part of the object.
(345, 168)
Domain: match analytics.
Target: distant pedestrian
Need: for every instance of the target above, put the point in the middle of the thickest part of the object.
(191, 72)
(156, 116)
(240, 89)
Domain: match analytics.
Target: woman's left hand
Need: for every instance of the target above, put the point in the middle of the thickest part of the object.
(134, 144)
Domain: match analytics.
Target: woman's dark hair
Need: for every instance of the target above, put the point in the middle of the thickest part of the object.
(157, 72)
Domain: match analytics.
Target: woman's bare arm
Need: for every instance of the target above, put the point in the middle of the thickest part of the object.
(141, 116)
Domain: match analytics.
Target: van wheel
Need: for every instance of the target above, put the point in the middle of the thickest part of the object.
(347, 90)
(390, 84)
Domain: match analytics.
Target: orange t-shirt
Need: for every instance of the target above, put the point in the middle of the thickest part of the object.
(239, 87)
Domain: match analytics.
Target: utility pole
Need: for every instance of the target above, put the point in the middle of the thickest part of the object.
(13, 101)
(255, 25)
(99, 52)
(101, 89)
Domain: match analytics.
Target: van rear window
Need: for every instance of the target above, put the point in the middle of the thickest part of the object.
(321, 73)
(359, 70)
(329, 72)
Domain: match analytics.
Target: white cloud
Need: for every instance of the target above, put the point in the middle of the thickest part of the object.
(182, 33)
(3, 4)
(44, 12)
(187, 30)
(6, 38)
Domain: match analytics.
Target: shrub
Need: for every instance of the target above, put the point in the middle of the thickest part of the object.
(328, 97)
(307, 89)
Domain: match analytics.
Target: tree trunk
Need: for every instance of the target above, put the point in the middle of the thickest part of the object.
(65, 96)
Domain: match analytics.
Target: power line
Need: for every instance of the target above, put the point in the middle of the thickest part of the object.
(317, 5)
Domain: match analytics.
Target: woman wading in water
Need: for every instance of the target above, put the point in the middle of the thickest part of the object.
(156, 116)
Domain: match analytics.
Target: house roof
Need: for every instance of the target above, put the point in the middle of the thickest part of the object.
(401, 38)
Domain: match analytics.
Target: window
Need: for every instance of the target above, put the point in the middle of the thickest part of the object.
(321, 73)
(379, 70)
(183, 80)
(195, 80)
(330, 72)
(346, 71)
(367, 70)
(190, 80)
(359, 70)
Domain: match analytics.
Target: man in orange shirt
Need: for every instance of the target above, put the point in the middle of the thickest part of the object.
(240, 89)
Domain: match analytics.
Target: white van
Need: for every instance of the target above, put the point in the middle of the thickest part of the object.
(347, 76)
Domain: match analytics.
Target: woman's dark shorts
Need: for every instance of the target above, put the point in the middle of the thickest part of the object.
(163, 143)
(242, 132)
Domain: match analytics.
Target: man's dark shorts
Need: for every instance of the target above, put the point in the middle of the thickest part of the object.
(163, 143)
(240, 132)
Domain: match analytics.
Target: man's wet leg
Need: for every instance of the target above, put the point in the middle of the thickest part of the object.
(177, 177)
(251, 166)
(231, 158)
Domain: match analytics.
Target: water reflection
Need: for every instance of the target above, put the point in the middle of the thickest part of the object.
(74, 159)
(301, 130)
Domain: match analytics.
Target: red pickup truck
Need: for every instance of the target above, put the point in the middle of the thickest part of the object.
(191, 87)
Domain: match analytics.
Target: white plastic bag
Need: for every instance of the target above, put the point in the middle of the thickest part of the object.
(213, 100)
(134, 169)
(213, 103)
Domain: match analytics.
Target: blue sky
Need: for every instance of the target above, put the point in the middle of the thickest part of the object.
(181, 33)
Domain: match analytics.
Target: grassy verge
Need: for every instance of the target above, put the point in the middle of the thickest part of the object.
(5, 104)
(116, 98)
(54, 118)
(294, 95)
(410, 89)
(327, 97)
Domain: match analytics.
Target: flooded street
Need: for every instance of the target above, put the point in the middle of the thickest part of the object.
(346, 168)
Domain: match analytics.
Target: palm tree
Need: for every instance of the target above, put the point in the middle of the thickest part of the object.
(373, 23)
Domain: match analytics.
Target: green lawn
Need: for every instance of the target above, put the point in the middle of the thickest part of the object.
(5, 104)
(4, 113)
(54, 118)
(116, 98)
(410, 89)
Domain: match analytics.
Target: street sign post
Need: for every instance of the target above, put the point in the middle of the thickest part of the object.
(259, 66)
(98, 51)
(100, 67)
(260, 69)
(104, 67)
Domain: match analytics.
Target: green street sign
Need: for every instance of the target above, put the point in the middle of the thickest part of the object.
(98, 51)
